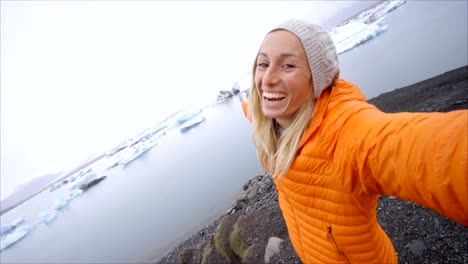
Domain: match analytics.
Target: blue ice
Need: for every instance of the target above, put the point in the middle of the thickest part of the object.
(14, 237)
(4, 229)
(48, 216)
(187, 115)
(62, 202)
(83, 180)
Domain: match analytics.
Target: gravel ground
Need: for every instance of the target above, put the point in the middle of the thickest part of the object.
(419, 235)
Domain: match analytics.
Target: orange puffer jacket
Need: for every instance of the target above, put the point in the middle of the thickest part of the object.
(350, 154)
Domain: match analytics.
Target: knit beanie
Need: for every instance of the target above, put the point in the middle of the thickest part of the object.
(320, 50)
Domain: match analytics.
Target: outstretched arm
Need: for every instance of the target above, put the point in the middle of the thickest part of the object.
(420, 157)
(245, 107)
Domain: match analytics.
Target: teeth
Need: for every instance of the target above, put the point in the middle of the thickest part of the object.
(274, 95)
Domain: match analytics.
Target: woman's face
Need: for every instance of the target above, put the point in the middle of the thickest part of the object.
(282, 76)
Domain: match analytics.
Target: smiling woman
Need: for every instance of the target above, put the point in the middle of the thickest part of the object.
(332, 154)
(283, 70)
(283, 80)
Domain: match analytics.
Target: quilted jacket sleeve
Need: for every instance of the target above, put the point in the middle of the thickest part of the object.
(420, 157)
(247, 113)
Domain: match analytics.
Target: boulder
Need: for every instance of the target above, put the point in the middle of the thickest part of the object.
(272, 248)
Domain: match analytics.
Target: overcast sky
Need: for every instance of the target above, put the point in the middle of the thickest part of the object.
(80, 76)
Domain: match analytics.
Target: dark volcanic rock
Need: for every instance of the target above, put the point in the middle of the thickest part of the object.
(445, 92)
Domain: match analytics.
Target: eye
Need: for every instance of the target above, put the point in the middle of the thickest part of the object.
(288, 66)
(262, 64)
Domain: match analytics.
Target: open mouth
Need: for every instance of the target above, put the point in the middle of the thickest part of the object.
(273, 97)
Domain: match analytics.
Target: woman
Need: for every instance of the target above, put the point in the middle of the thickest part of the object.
(332, 154)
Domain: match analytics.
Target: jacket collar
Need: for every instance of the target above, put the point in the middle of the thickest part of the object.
(342, 91)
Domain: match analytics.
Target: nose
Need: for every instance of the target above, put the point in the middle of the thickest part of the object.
(271, 77)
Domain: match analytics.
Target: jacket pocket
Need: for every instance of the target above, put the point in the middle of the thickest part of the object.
(331, 237)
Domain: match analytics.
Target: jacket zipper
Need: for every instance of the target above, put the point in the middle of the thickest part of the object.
(330, 235)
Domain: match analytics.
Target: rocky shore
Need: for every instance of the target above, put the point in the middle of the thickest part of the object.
(253, 230)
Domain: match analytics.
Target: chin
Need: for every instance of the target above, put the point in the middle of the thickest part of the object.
(271, 114)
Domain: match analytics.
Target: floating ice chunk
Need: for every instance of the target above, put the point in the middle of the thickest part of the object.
(191, 124)
(364, 27)
(14, 237)
(379, 11)
(83, 180)
(8, 228)
(60, 203)
(4, 229)
(48, 216)
(353, 34)
(138, 150)
(74, 193)
(18, 221)
(73, 178)
(187, 115)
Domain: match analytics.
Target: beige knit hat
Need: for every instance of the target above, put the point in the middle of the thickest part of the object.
(320, 50)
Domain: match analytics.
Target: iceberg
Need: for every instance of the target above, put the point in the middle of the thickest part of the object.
(18, 221)
(376, 13)
(74, 194)
(85, 179)
(74, 177)
(225, 94)
(154, 132)
(14, 237)
(5, 229)
(192, 124)
(364, 27)
(353, 34)
(59, 204)
(113, 161)
(185, 117)
(16, 231)
(137, 151)
(186, 114)
(48, 216)
(62, 202)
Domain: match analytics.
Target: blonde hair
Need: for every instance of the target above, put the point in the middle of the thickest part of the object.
(277, 150)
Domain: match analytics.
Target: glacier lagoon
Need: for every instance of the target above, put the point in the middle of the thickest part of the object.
(137, 203)
(151, 204)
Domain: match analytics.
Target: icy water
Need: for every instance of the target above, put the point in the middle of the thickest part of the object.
(157, 200)
(424, 39)
(189, 179)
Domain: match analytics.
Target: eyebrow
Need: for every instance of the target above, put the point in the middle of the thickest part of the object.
(283, 55)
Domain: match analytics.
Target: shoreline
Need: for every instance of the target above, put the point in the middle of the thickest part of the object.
(419, 235)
